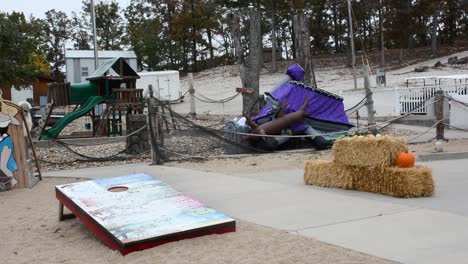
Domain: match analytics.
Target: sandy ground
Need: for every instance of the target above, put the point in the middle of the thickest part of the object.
(254, 163)
(31, 233)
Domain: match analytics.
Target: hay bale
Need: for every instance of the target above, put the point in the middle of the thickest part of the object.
(373, 152)
(410, 182)
(392, 181)
(325, 173)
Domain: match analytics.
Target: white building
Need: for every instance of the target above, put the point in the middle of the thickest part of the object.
(80, 63)
(166, 84)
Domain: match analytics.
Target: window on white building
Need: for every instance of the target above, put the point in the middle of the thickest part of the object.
(84, 71)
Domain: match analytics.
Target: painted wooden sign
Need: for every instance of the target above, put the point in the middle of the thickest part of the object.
(138, 211)
(14, 168)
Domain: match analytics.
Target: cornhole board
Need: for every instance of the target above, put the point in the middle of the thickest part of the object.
(145, 212)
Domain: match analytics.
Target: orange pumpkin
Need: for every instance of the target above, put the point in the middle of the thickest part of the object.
(405, 160)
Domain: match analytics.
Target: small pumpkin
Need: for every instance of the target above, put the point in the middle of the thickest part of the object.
(405, 160)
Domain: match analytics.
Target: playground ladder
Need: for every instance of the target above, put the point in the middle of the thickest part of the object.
(37, 131)
(102, 123)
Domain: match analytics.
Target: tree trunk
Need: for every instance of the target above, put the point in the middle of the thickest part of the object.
(335, 27)
(252, 75)
(239, 51)
(435, 22)
(169, 23)
(302, 45)
(410, 27)
(382, 43)
(273, 37)
(210, 43)
(194, 43)
(283, 34)
(293, 40)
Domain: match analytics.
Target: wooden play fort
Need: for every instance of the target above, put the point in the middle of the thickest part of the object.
(108, 95)
(370, 164)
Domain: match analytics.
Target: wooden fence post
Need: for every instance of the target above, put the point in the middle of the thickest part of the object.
(154, 130)
(192, 112)
(439, 113)
(369, 101)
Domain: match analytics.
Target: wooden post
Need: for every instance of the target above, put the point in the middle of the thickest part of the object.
(192, 112)
(154, 130)
(439, 113)
(369, 100)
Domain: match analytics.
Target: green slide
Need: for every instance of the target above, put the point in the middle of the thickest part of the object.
(63, 122)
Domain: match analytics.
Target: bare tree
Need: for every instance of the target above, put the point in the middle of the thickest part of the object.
(435, 24)
(302, 40)
(273, 36)
(249, 70)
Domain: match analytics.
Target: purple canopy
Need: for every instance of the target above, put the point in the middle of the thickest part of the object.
(323, 105)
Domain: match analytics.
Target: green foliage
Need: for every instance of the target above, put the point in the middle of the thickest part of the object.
(20, 60)
(56, 27)
(110, 24)
(80, 31)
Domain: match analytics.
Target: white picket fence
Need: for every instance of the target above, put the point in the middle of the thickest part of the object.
(401, 100)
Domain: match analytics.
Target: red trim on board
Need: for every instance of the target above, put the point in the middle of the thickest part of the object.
(143, 246)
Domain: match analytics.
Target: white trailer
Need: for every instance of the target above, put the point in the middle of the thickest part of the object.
(166, 84)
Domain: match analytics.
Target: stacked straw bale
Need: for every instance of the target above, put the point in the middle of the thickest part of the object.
(368, 164)
(369, 152)
(325, 173)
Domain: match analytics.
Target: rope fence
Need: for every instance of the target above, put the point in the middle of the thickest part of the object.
(197, 142)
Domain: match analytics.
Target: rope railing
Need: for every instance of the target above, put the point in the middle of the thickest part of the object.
(211, 101)
(356, 107)
(101, 143)
(377, 126)
(455, 100)
(425, 132)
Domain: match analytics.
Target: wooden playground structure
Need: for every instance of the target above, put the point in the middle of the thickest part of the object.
(106, 98)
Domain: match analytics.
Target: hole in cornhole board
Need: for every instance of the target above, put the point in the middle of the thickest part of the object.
(117, 189)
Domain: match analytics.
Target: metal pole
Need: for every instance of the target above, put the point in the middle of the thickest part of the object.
(382, 44)
(93, 21)
(351, 36)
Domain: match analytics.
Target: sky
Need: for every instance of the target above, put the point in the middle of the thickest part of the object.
(38, 7)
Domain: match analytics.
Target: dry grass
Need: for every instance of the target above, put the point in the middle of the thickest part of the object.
(377, 152)
(392, 181)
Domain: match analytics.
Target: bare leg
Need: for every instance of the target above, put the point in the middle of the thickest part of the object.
(249, 121)
(5, 156)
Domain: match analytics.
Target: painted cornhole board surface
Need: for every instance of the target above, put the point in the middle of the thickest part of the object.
(149, 213)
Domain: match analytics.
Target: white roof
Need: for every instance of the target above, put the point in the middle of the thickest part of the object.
(157, 73)
(102, 54)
